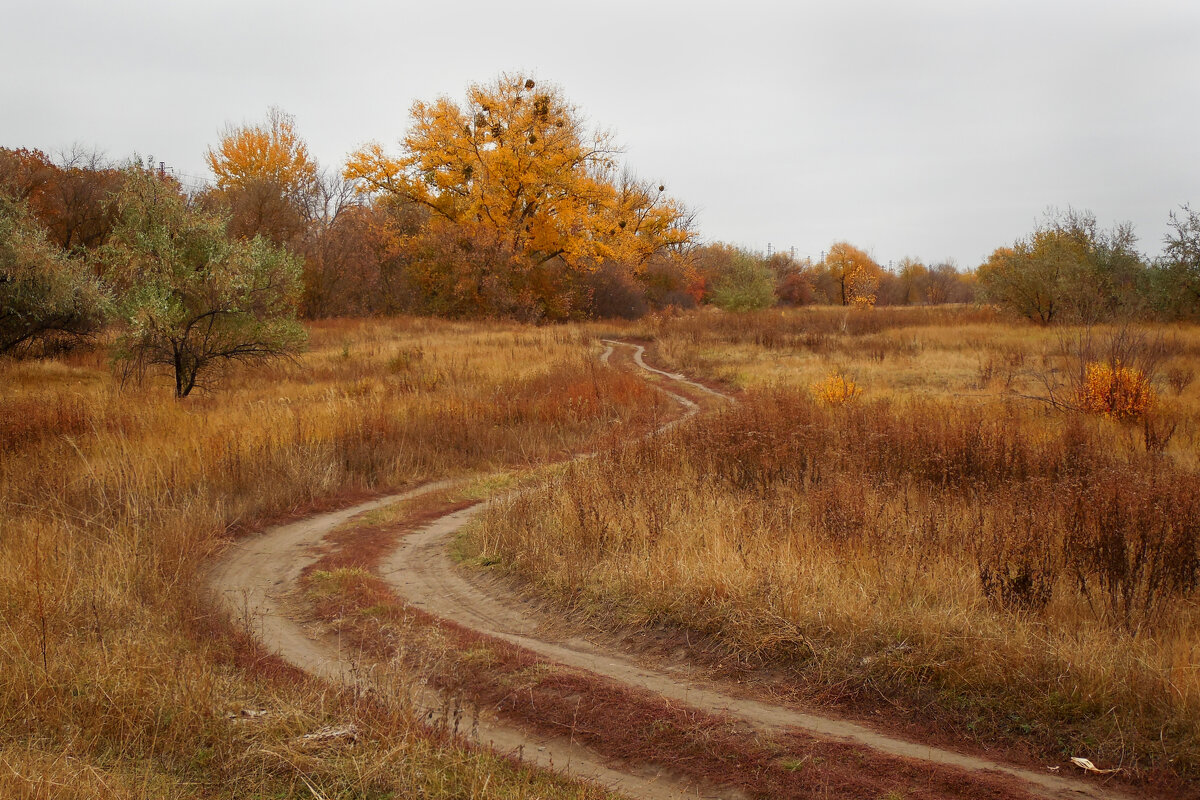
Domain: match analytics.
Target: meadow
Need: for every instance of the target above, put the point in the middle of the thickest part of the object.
(116, 677)
(891, 523)
(894, 520)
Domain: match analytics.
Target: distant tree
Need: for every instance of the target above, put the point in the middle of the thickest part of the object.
(853, 274)
(948, 284)
(616, 292)
(23, 173)
(266, 179)
(1067, 269)
(45, 297)
(75, 205)
(462, 270)
(353, 264)
(1014, 279)
(1176, 276)
(69, 195)
(861, 285)
(191, 297)
(269, 152)
(913, 282)
(672, 280)
(743, 284)
(793, 279)
(795, 287)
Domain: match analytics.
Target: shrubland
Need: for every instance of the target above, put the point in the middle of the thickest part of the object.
(896, 515)
(117, 678)
(985, 520)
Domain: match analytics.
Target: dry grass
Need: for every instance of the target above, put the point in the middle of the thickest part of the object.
(1002, 570)
(114, 679)
(627, 725)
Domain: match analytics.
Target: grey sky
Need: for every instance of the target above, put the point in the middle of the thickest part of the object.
(931, 129)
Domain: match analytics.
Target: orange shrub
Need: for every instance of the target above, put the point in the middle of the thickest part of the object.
(837, 389)
(1116, 391)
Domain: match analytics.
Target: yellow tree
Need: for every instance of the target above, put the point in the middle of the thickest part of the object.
(518, 159)
(266, 180)
(272, 152)
(914, 280)
(854, 274)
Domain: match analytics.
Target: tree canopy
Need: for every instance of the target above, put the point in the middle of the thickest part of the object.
(272, 151)
(44, 295)
(191, 296)
(518, 160)
(1067, 268)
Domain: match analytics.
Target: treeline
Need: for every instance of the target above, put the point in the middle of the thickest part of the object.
(505, 205)
(1071, 270)
(738, 280)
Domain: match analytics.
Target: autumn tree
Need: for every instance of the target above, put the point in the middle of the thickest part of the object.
(1175, 279)
(68, 194)
(1013, 279)
(738, 279)
(23, 173)
(45, 297)
(272, 151)
(266, 178)
(671, 280)
(947, 284)
(355, 262)
(616, 292)
(1066, 269)
(796, 287)
(192, 297)
(854, 275)
(517, 168)
(913, 280)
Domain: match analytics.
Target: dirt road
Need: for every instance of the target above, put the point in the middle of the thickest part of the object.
(255, 575)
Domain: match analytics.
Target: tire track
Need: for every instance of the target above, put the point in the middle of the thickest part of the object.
(255, 574)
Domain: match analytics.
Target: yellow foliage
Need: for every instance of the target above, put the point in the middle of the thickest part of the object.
(1116, 391)
(836, 389)
(855, 272)
(518, 158)
(860, 288)
(271, 152)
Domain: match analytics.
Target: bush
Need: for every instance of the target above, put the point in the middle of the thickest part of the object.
(837, 389)
(1116, 391)
(745, 285)
(45, 297)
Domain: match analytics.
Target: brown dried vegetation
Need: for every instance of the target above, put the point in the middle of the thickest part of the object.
(1003, 570)
(116, 680)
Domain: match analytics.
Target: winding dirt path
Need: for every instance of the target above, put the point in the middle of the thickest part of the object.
(254, 577)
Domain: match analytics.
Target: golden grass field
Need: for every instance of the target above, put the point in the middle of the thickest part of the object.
(833, 552)
(943, 547)
(115, 678)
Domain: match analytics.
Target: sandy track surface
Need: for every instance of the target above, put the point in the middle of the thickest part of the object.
(253, 581)
(255, 575)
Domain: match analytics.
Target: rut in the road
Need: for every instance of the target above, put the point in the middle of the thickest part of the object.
(257, 572)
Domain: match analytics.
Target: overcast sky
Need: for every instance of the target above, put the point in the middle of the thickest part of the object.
(929, 129)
